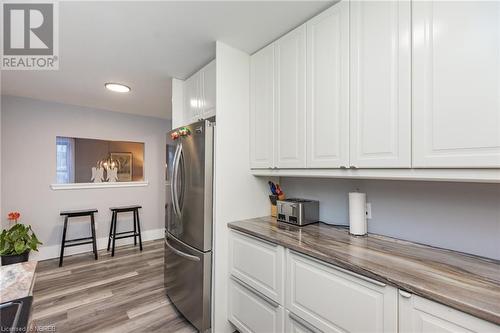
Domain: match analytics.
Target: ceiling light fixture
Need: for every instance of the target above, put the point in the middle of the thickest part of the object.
(117, 87)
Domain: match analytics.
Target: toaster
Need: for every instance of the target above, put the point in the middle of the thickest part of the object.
(298, 211)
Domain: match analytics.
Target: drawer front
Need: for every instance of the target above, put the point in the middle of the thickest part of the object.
(420, 315)
(295, 324)
(250, 312)
(335, 301)
(257, 263)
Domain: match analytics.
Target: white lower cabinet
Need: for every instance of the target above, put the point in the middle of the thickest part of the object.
(295, 324)
(273, 289)
(251, 312)
(258, 264)
(336, 301)
(419, 315)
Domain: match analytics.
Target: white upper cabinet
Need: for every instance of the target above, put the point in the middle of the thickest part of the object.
(262, 108)
(290, 102)
(199, 95)
(192, 99)
(328, 88)
(177, 103)
(208, 85)
(456, 84)
(380, 82)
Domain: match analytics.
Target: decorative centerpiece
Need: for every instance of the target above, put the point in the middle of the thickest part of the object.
(17, 241)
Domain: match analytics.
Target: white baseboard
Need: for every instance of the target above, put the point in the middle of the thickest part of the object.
(53, 251)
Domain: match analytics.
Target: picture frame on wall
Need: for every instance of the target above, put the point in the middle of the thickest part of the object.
(125, 160)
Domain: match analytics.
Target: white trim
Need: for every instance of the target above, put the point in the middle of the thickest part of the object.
(446, 175)
(53, 251)
(78, 186)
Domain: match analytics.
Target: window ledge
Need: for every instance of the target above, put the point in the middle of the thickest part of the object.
(78, 186)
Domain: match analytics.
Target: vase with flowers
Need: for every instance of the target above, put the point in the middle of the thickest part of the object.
(17, 241)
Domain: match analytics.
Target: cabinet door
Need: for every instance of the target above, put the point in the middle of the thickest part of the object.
(192, 99)
(420, 315)
(257, 263)
(250, 312)
(209, 93)
(456, 84)
(262, 108)
(290, 55)
(328, 88)
(380, 78)
(334, 300)
(178, 107)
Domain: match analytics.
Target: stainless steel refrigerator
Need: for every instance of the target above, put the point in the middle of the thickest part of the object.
(188, 220)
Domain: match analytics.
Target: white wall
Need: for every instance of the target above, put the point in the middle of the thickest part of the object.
(238, 195)
(29, 130)
(459, 216)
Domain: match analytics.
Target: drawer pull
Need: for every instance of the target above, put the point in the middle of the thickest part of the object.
(252, 237)
(404, 293)
(304, 323)
(340, 269)
(257, 293)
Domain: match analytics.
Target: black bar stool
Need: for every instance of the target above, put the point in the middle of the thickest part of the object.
(78, 241)
(113, 235)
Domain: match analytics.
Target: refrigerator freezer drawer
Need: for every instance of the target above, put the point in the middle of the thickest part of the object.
(188, 281)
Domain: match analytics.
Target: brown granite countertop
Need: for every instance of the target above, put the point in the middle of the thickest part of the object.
(16, 280)
(465, 282)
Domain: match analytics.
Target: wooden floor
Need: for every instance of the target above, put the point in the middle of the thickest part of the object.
(121, 294)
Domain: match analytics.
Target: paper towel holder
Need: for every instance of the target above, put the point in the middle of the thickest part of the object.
(357, 214)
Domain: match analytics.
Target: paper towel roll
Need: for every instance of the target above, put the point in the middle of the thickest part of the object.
(357, 213)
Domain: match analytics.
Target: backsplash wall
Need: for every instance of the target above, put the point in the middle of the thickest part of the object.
(459, 216)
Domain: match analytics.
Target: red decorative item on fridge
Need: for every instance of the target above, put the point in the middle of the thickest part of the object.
(175, 135)
(14, 216)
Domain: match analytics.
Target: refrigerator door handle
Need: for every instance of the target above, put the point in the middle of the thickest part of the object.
(180, 175)
(175, 179)
(172, 185)
(180, 253)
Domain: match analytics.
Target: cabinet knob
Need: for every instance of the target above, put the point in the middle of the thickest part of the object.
(353, 167)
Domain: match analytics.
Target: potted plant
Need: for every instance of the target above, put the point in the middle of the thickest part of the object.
(17, 242)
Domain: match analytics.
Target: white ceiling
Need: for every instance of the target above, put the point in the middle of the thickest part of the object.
(145, 44)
